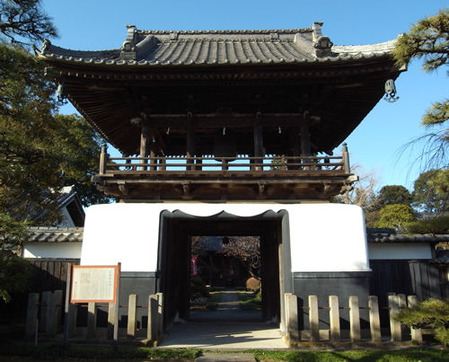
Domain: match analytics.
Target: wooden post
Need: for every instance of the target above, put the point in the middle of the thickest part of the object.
(103, 159)
(32, 313)
(153, 161)
(117, 306)
(160, 315)
(258, 141)
(132, 313)
(306, 149)
(292, 315)
(111, 320)
(152, 317)
(354, 318)
(67, 303)
(405, 331)
(395, 326)
(345, 156)
(416, 333)
(45, 302)
(51, 315)
(374, 318)
(314, 320)
(334, 318)
(190, 143)
(55, 311)
(73, 314)
(91, 320)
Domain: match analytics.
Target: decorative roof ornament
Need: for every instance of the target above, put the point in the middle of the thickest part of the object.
(322, 44)
(390, 91)
(128, 49)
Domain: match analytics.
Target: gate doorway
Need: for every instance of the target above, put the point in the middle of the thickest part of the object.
(175, 258)
(225, 278)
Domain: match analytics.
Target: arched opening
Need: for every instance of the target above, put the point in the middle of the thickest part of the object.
(175, 257)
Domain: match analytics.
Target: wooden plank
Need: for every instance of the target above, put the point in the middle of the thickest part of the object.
(416, 333)
(132, 313)
(374, 318)
(334, 318)
(354, 319)
(314, 321)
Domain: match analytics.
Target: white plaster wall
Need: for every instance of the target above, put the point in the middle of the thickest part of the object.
(70, 250)
(387, 251)
(324, 237)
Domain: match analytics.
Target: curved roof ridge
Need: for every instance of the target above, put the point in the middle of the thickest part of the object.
(235, 31)
(54, 49)
(375, 47)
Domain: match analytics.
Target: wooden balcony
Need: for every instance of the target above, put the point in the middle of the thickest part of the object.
(213, 178)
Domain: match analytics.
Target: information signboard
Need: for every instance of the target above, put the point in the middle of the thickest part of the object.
(96, 284)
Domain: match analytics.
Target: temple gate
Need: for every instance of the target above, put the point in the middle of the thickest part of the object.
(227, 132)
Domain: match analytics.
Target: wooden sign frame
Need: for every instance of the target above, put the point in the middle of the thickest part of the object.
(94, 283)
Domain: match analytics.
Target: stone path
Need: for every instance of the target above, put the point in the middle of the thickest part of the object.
(228, 327)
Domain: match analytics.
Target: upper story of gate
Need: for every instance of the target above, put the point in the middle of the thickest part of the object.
(225, 115)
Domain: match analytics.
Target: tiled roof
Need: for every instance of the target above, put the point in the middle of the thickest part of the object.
(387, 235)
(55, 234)
(152, 48)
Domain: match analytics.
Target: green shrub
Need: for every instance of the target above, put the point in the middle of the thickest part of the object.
(430, 313)
(436, 225)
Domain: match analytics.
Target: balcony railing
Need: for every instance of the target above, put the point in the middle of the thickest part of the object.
(291, 165)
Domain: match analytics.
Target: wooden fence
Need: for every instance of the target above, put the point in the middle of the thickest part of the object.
(332, 314)
(47, 317)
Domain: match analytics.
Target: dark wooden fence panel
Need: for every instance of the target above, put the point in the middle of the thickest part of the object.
(50, 274)
(410, 277)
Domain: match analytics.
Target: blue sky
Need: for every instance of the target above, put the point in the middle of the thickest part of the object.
(376, 144)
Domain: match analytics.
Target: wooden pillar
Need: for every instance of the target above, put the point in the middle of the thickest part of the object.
(258, 140)
(153, 161)
(144, 144)
(190, 142)
(334, 318)
(374, 318)
(306, 149)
